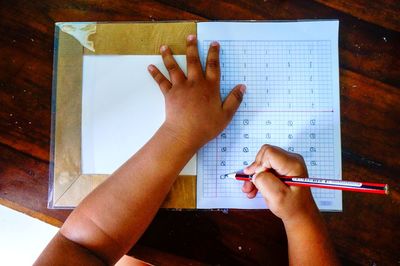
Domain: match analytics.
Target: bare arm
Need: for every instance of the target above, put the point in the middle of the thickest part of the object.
(110, 220)
(308, 240)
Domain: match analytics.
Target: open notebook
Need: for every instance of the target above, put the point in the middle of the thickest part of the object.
(292, 101)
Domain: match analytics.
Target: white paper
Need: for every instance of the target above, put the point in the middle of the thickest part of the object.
(292, 101)
(122, 107)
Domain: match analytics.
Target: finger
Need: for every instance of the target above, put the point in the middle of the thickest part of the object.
(175, 72)
(247, 187)
(233, 100)
(260, 155)
(257, 164)
(269, 185)
(161, 80)
(262, 158)
(283, 162)
(251, 169)
(212, 65)
(192, 58)
(252, 194)
(254, 168)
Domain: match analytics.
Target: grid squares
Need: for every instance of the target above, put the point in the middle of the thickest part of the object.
(288, 103)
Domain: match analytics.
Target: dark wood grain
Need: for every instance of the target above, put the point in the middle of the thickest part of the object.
(364, 233)
(385, 14)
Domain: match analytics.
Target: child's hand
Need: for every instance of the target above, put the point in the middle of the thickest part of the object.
(287, 202)
(195, 112)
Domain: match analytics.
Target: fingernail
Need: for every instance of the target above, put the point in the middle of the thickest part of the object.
(253, 179)
(151, 68)
(214, 43)
(163, 48)
(242, 89)
(191, 37)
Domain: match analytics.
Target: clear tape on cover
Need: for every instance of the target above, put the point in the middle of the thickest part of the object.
(80, 31)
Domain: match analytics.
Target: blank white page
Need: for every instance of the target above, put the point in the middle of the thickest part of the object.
(122, 107)
(292, 101)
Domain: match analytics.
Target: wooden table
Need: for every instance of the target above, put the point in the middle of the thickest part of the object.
(366, 232)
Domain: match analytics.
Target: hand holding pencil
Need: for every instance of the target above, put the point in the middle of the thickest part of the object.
(282, 179)
(295, 205)
(251, 172)
(284, 201)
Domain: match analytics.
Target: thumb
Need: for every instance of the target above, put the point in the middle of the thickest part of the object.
(269, 185)
(234, 98)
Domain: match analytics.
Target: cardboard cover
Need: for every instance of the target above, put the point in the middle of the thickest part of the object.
(68, 186)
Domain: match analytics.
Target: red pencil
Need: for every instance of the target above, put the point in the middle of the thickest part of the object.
(364, 187)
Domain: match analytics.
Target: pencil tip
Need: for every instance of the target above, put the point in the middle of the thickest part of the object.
(230, 175)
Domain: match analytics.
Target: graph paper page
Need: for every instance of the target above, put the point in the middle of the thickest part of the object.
(292, 101)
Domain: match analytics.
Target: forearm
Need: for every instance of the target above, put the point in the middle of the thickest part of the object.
(113, 217)
(308, 241)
